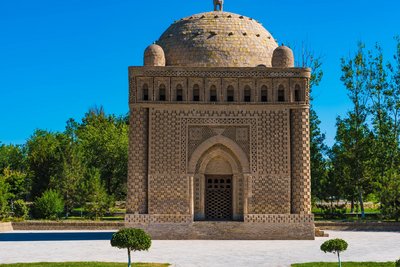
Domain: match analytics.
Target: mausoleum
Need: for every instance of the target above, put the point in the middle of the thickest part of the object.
(219, 134)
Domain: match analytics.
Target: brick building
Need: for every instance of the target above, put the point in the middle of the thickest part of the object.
(219, 134)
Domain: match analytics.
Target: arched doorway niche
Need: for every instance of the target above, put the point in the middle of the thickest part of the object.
(219, 157)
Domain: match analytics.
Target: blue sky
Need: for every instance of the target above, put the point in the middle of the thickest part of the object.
(58, 58)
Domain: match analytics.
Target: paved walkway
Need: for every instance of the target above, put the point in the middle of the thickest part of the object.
(363, 246)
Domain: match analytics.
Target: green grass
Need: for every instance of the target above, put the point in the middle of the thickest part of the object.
(345, 264)
(83, 264)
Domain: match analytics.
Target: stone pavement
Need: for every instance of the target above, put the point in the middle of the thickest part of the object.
(363, 246)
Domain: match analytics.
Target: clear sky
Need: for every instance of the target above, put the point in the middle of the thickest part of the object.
(58, 58)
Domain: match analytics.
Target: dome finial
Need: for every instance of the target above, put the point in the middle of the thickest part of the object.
(218, 5)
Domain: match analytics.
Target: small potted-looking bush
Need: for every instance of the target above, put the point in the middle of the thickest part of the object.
(132, 239)
(335, 246)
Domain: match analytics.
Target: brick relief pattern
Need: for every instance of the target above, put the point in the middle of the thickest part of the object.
(168, 191)
(271, 195)
(301, 177)
(279, 218)
(213, 123)
(137, 166)
(132, 89)
(168, 194)
(273, 138)
(164, 141)
(198, 134)
(184, 72)
(270, 189)
(157, 218)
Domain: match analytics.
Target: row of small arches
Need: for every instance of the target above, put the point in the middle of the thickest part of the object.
(230, 94)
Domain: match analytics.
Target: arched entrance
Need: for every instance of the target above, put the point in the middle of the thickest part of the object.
(219, 168)
(218, 190)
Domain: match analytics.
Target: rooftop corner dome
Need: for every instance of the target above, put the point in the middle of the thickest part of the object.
(217, 39)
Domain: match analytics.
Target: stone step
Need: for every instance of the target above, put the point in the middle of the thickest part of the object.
(320, 233)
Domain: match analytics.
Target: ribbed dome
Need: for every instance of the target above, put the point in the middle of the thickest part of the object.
(217, 39)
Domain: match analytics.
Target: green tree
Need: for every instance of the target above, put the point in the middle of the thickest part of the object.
(387, 142)
(18, 182)
(132, 239)
(335, 246)
(44, 159)
(104, 142)
(4, 198)
(49, 206)
(97, 202)
(355, 131)
(12, 157)
(72, 173)
(20, 209)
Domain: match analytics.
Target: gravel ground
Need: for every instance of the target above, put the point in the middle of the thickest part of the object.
(363, 246)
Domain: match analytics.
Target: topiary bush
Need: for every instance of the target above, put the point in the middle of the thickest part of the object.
(131, 239)
(21, 210)
(335, 246)
(49, 206)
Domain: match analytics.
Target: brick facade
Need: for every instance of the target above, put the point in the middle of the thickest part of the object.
(197, 119)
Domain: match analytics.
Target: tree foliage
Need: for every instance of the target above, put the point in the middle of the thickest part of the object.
(335, 246)
(132, 239)
(49, 206)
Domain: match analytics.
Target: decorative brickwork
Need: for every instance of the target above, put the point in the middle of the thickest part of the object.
(278, 218)
(138, 159)
(215, 136)
(157, 218)
(301, 181)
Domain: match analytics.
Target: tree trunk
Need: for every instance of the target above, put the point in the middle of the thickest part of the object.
(352, 206)
(129, 257)
(340, 262)
(360, 198)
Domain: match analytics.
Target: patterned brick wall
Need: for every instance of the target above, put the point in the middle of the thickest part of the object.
(300, 150)
(273, 138)
(137, 163)
(271, 187)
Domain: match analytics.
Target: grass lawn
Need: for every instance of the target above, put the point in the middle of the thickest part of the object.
(83, 264)
(345, 264)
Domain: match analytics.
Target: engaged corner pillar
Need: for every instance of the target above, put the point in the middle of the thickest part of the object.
(300, 161)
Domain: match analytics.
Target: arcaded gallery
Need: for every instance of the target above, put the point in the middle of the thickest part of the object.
(219, 134)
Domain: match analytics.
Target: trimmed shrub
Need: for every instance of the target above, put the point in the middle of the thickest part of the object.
(49, 206)
(335, 246)
(131, 239)
(21, 210)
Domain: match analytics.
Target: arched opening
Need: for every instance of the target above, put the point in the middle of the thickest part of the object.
(145, 92)
(230, 94)
(179, 93)
(247, 94)
(264, 94)
(213, 93)
(218, 190)
(162, 93)
(297, 97)
(281, 93)
(196, 93)
(220, 162)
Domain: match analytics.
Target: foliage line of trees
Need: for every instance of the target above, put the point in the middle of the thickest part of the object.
(364, 162)
(84, 166)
